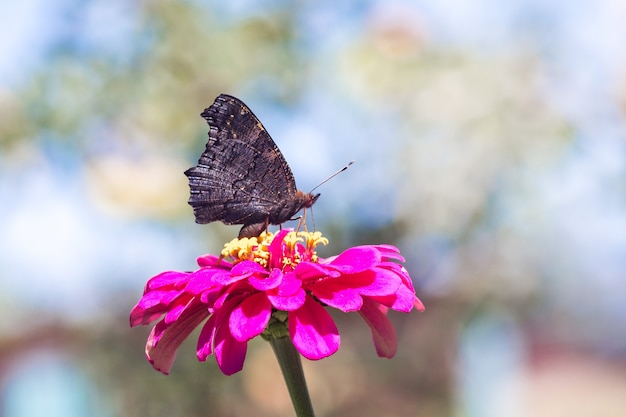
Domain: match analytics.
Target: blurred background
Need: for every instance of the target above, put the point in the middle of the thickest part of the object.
(490, 147)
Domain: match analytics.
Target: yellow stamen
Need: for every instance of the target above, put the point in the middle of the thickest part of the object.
(257, 248)
(292, 238)
(313, 239)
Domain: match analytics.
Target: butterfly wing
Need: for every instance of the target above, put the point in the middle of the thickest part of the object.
(241, 177)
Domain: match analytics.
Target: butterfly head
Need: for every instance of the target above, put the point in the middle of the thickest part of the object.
(306, 199)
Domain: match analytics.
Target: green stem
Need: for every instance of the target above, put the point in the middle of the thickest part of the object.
(291, 366)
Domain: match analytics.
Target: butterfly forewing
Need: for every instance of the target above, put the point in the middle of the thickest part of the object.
(241, 177)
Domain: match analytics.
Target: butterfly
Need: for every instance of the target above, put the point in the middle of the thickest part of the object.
(242, 177)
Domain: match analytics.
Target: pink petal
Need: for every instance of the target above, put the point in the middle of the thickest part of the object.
(176, 310)
(313, 331)
(344, 299)
(383, 333)
(160, 298)
(137, 318)
(209, 296)
(218, 276)
(390, 252)
(357, 259)
(219, 318)
(213, 261)
(403, 300)
(399, 270)
(419, 306)
(385, 283)
(289, 285)
(369, 282)
(288, 303)
(249, 318)
(239, 289)
(152, 306)
(276, 249)
(207, 278)
(309, 271)
(165, 339)
(248, 268)
(205, 341)
(229, 353)
(265, 282)
(215, 296)
(173, 279)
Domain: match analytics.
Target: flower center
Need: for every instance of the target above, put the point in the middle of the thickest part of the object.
(295, 248)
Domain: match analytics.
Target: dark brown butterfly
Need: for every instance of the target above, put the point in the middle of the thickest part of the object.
(241, 177)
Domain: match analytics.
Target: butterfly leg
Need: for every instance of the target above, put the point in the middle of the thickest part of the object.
(302, 221)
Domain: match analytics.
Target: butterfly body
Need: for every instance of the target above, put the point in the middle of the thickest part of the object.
(242, 177)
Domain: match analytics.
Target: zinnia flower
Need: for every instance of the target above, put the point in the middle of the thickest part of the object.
(266, 283)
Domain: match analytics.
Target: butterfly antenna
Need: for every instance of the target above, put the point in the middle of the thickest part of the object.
(332, 176)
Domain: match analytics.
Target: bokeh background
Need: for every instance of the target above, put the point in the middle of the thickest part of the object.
(490, 147)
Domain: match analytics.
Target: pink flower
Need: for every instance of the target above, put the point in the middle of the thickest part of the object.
(262, 284)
